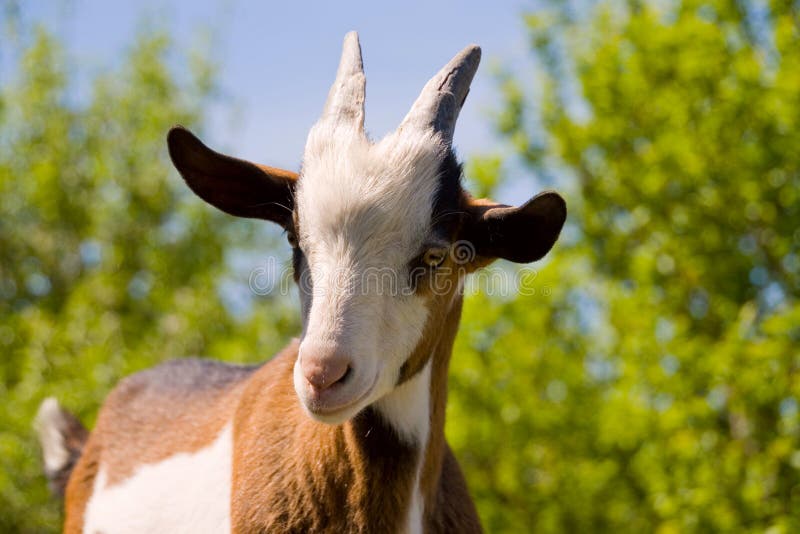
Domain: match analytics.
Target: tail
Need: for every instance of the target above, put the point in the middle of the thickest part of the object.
(62, 437)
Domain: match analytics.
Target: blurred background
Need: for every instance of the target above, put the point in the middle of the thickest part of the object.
(651, 383)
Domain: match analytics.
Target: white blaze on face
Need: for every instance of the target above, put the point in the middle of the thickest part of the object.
(364, 212)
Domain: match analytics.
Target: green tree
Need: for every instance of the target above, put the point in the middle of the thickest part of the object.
(107, 263)
(653, 382)
(650, 382)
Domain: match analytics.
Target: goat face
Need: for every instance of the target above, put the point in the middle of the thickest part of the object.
(373, 227)
(362, 226)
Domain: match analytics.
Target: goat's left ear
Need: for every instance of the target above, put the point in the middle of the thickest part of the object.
(520, 234)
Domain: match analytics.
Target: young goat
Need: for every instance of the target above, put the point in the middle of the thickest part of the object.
(198, 446)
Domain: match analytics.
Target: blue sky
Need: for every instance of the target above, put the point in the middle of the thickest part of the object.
(278, 59)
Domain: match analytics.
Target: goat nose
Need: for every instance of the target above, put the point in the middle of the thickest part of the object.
(323, 371)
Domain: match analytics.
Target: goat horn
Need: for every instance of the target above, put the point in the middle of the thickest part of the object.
(345, 102)
(440, 101)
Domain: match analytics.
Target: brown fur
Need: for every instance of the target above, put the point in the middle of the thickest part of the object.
(80, 487)
(293, 474)
(290, 473)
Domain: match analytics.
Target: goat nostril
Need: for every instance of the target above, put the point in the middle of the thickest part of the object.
(322, 374)
(338, 377)
(346, 376)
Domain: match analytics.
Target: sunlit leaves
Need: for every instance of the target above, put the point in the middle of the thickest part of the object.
(107, 264)
(657, 385)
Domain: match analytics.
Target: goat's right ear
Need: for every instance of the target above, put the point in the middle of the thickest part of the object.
(233, 185)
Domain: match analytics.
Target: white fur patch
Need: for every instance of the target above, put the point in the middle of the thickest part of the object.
(186, 493)
(48, 424)
(407, 409)
(414, 522)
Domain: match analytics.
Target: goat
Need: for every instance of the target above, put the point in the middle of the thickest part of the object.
(199, 446)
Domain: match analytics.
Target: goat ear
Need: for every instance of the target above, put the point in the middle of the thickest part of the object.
(233, 185)
(520, 234)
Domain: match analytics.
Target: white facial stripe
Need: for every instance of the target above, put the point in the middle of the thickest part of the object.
(371, 195)
(186, 493)
(365, 209)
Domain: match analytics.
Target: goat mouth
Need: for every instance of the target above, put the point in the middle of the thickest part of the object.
(323, 409)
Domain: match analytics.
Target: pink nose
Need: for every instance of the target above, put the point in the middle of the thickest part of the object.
(322, 368)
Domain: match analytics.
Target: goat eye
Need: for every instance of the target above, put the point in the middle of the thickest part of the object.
(291, 238)
(434, 257)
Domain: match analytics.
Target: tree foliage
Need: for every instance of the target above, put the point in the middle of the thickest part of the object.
(656, 387)
(107, 263)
